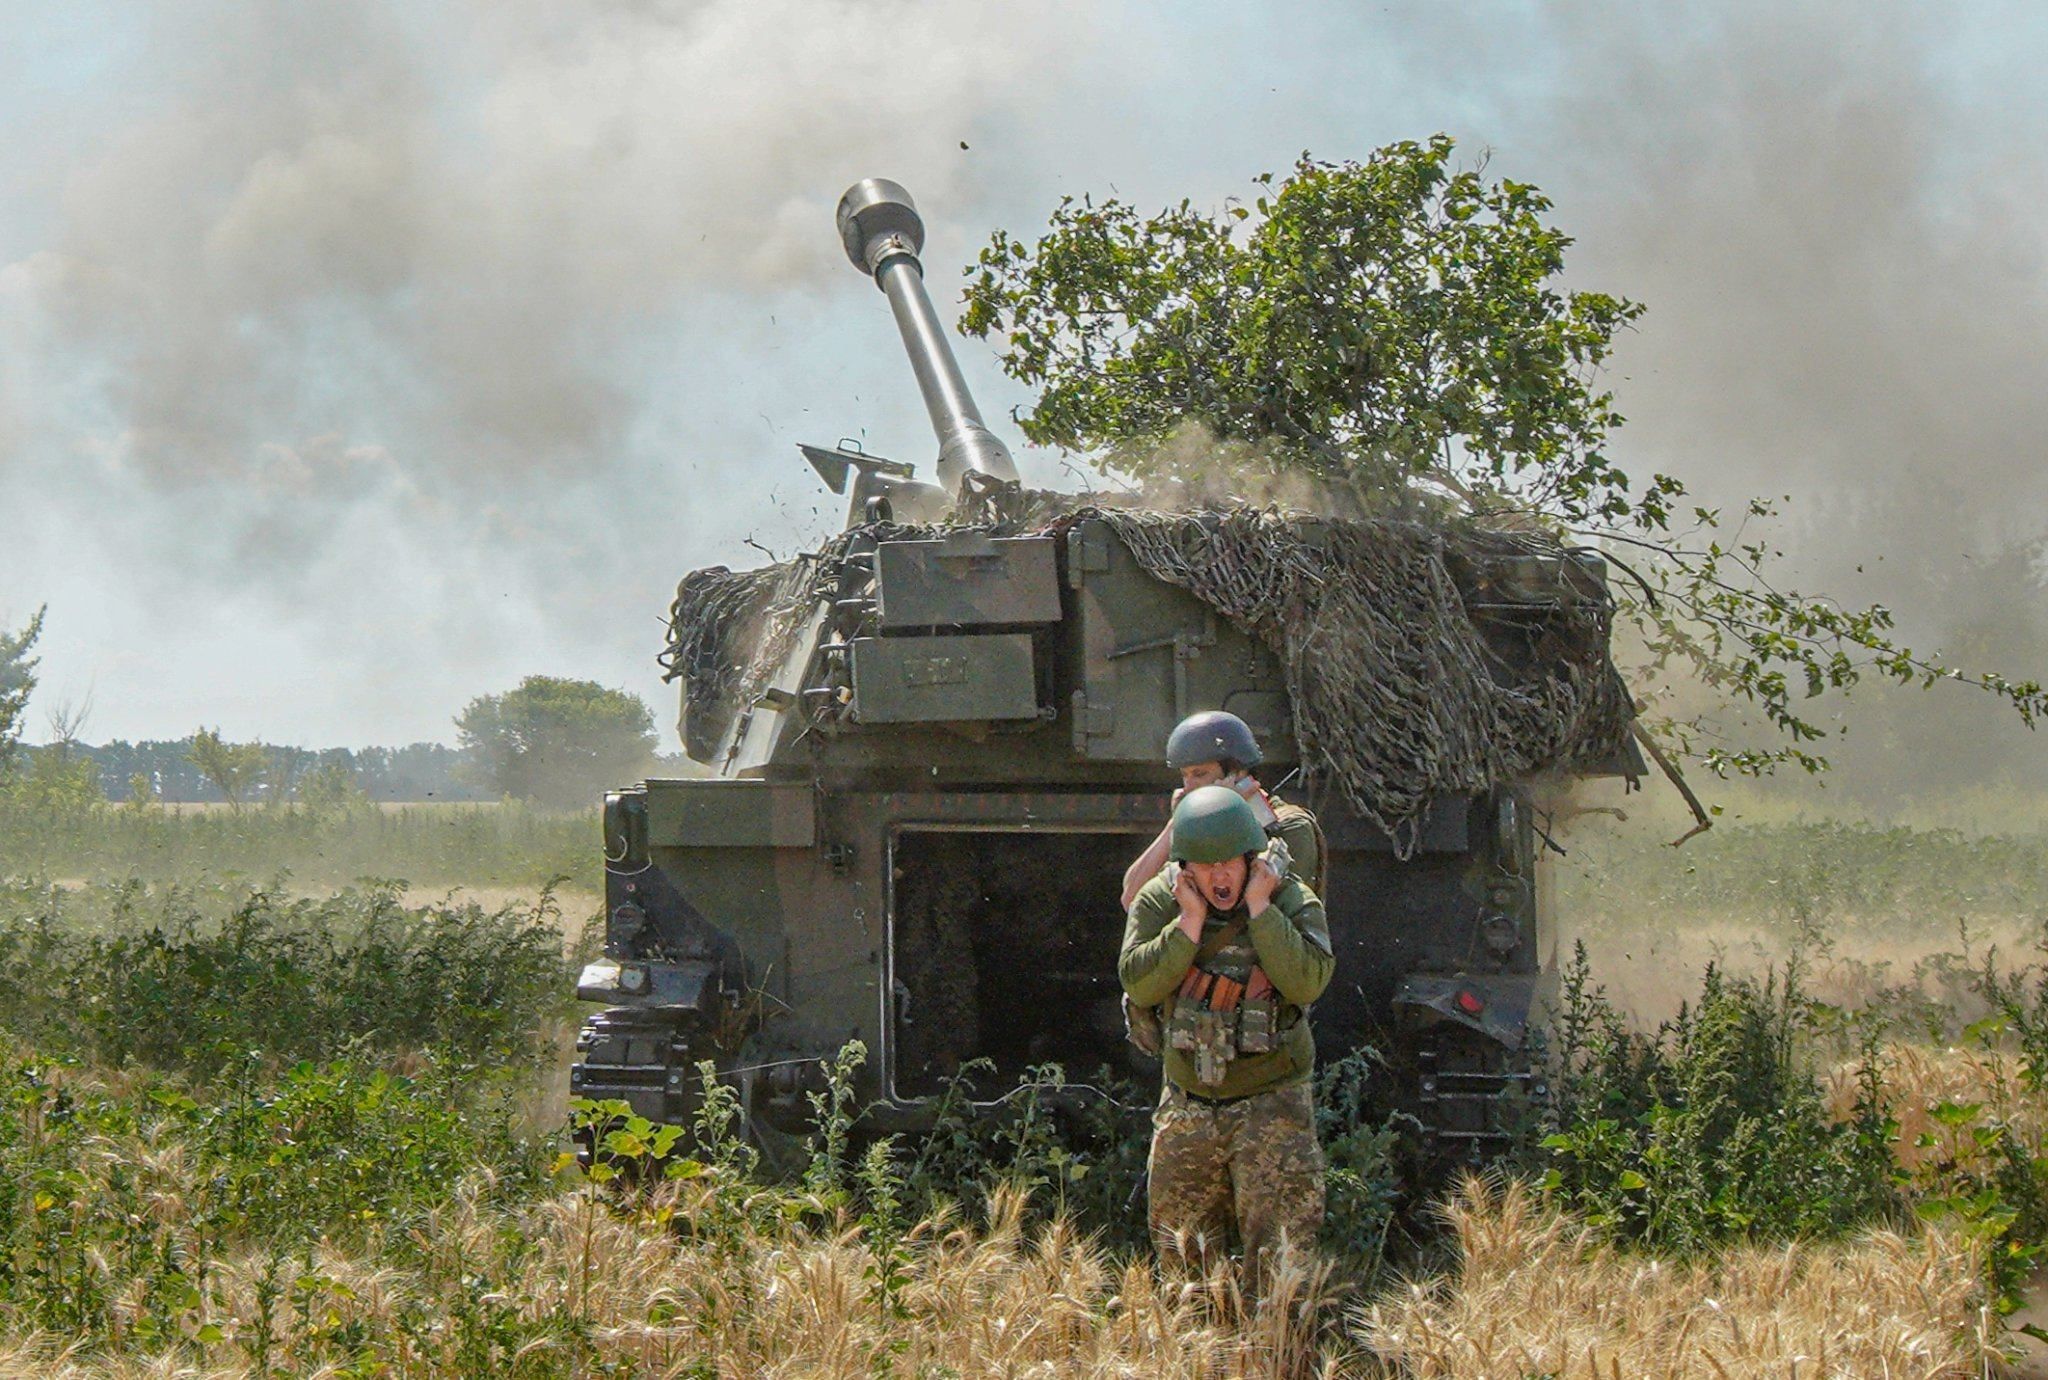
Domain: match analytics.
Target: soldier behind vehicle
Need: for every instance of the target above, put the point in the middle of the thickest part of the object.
(1216, 748)
(1234, 948)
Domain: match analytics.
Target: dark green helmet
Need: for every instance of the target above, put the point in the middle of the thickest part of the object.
(1213, 824)
(1214, 735)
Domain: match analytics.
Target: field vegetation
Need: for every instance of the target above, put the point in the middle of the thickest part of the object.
(476, 847)
(260, 1118)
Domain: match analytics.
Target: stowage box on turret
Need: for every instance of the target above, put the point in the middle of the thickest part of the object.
(936, 744)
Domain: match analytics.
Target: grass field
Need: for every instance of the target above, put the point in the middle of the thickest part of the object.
(430, 847)
(260, 1118)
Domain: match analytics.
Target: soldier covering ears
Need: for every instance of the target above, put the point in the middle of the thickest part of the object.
(1215, 748)
(1232, 949)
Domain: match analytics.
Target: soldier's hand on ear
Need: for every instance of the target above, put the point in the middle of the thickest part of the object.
(1194, 907)
(1260, 885)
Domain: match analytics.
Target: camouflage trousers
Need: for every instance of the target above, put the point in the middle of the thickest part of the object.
(1252, 1163)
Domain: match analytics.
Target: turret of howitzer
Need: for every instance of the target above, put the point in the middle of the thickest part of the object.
(883, 235)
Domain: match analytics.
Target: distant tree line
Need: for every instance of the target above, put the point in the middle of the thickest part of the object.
(552, 741)
(415, 772)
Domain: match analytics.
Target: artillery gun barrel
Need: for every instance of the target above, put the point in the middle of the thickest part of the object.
(883, 234)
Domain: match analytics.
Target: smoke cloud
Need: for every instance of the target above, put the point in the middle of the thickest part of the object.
(356, 344)
(462, 223)
(1833, 213)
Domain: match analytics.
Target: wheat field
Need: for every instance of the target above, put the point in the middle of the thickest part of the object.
(367, 1179)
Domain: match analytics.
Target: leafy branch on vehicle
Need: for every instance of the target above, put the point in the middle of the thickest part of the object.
(1392, 332)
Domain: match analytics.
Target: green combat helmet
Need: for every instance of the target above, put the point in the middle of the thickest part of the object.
(1214, 824)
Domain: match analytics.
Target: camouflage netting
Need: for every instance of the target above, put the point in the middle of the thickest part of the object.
(728, 629)
(1398, 694)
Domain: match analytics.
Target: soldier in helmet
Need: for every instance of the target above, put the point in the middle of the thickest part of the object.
(1218, 748)
(1234, 949)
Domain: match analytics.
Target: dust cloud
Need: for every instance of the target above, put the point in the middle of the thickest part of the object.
(371, 338)
(1834, 215)
(458, 221)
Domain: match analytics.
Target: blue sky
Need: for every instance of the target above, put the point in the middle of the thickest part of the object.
(358, 358)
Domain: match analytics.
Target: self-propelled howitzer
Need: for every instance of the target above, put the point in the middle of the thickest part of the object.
(934, 745)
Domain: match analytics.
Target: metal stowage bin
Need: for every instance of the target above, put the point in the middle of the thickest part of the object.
(898, 680)
(967, 581)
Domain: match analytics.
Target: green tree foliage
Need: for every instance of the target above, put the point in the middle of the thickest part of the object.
(416, 772)
(233, 768)
(332, 789)
(1395, 331)
(57, 780)
(557, 742)
(283, 767)
(61, 778)
(1374, 322)
(17, 683)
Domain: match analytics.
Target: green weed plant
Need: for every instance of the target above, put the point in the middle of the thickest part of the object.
(1712, 1128)
(119, 1204)
(191, 978)
(1066, 1150)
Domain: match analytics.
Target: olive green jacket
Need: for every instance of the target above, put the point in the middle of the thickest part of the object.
(1292, 940)
(1297, 829)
